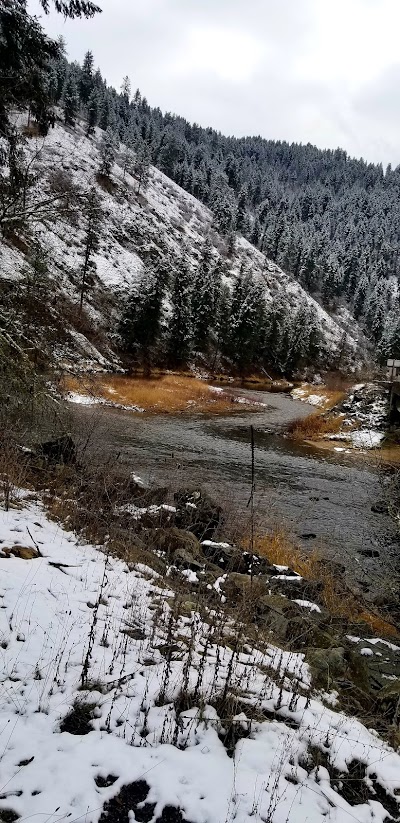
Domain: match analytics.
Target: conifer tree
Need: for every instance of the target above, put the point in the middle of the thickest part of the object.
(71, 100)
(92, 112)
(86, 78)
(241, 211)
(245, 321)
(204, 299)
(141, 324)
(93, 218)
(181, 323)
(108, 150)
(141, 168)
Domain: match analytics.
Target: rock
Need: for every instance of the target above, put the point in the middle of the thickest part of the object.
(256, 565)
(23, 552)
(175, 542)
(241, 587)
(188, 607)
(327, 664)
(305, 631)
(369, 552)
(184, 559)
(308, 536)
(297, 588)
(60, 450)
(276, 613)
(380, 507)
(226, 557)
(196, 512)
(134, 633)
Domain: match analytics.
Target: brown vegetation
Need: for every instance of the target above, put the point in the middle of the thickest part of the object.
(166, 393)
(338, 600)
(314, 426)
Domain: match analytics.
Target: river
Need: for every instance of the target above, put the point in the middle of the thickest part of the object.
(324, 498)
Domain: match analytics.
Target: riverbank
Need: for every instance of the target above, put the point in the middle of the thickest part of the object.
(166, 393)
(354, 418)
(323, 499)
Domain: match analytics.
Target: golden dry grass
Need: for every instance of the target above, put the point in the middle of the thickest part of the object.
(163, 394)
(314, 426)
(280, 549)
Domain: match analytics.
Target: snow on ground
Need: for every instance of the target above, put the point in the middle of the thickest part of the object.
(91, 400)
(366, 438)
(303, 393)
(78, 627)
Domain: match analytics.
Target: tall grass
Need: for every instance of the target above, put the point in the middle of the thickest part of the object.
(167, 393)
(316, 425)
(337, 599)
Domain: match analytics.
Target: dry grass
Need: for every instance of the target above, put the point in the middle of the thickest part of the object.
(314, 426)
(166, 393)
(337, 599)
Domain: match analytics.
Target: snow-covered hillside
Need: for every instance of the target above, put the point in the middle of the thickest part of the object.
(157, 225)
(93, 663)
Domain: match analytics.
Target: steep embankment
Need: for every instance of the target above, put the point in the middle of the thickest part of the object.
(138, 230)
(123, 697)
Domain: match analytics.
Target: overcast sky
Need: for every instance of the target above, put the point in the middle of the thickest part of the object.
(319, 71)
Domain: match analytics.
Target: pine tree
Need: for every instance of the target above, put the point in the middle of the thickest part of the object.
(71, 100)
(141, 324)
(93, 217)
(72, 8)
(86, 78)
(181, 323)
(360, 296)
(223, 207)
(141, 168)
(241, 211)
(245, 321)
(126, 88)
(26, 56)
(92, 112)
(205, 298)
(108, 150)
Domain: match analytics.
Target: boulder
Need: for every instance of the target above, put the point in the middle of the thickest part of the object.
(226, 557)
(184, 558)
(177, 544)
(241, 587)
(196, 512)
(327, 664)
(276, 613)
(22, 552)
(380, 507)
(60, 450)
(297, 588)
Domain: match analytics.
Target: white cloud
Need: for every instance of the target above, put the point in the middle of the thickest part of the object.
(231, 55)
(320, 71)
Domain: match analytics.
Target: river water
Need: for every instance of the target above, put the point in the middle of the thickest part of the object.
(324, 498)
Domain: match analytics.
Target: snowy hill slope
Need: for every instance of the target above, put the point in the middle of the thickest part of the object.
(91, 728)
(138, 230)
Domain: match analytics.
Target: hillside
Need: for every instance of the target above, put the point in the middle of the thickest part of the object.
(327, 218)
(154, 684)
(157, 228)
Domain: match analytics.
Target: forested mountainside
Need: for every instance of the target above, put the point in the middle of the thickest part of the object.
(113, 266)
(120, 255)
(329, 220)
